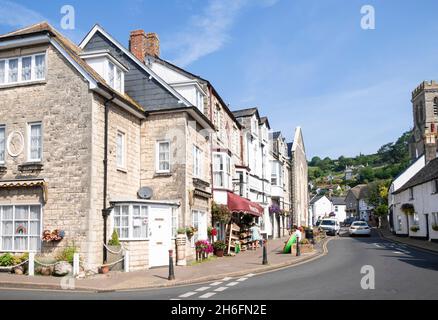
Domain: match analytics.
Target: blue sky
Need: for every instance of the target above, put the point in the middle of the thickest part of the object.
(302, 63)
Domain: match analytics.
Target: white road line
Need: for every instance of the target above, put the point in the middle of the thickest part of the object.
(232, 284)
(226, 278)
(175, 299)
(398, 252)
(207, 295)
(202, 289)
(216, 283)
(242, 279)
(220, 289)
(188, 294)
(250, 275)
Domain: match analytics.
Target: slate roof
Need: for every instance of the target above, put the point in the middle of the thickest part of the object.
(316, 198)
(360, 191)
(276, 134)
(264, 120)
(289, 149)
(246, 112)
(426, 174)
(338, 201)
(73, 51)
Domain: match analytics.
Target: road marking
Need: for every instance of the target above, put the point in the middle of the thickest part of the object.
(242, 279)
(188, 294)
(175, 299)
(226, 278)
(202, 289)
(220, 289)
(397, 252)
(207, 295)
(250, 275)
(232, 284)
(215, 283)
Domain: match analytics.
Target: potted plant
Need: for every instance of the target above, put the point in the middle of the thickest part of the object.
(415, 228)
(408, 208)
(203, 248)
(435, 227)
(219, 248)
(114, 251)
(190, 231)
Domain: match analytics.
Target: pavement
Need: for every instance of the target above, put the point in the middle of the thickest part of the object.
(248, 262)
(416, 243)
(354, 268)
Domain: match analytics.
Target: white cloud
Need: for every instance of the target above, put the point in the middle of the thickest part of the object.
(16, 15)
(208, 31)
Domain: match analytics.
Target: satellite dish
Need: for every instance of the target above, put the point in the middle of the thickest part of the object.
(145, 193)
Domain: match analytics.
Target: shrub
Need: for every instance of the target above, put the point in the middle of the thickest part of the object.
(6, 260)
(67, 254)
(114, 241)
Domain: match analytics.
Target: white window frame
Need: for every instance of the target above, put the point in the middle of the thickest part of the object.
(33, 76)
(416, 219)
(174, 222)
(3, 128)
(225, 172)
(115, 85)
(399, 223)
(435, 217)
(199, 214)
(197, 161)
(131, 218)
(123, 151)
(28, 236)
(29, 141)
(157, 156)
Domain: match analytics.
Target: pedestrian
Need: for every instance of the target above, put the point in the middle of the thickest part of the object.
(255, 235)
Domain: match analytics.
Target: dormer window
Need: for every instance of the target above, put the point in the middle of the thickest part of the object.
(108, 68)
(200, 101)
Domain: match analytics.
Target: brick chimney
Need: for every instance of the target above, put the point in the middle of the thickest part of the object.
(142, 44)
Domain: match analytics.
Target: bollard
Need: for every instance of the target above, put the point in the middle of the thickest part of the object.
(298, 247)
(265, 253)
(126, 264)
(75, 264)
(31, 263)
(171, 270)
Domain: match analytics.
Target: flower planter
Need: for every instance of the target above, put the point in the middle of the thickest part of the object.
(181, 242)
(219, 253)
(115, 253)
(104, 269)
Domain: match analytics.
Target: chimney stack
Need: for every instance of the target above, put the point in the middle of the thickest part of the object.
(142, 44)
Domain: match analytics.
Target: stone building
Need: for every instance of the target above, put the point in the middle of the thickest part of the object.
(425, 116)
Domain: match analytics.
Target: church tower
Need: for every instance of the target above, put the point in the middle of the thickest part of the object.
(425, 114)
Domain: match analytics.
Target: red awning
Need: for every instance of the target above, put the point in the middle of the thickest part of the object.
(238, 204)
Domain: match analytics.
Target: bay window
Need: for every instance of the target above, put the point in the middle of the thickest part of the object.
(2, 144)
(131, 222)
(35, 145)
(20, 228)
(163, 156)
(23, 69)
(221, 170)
(276, 174)
(197, 162)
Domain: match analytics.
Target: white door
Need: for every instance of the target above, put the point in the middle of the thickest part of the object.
(160, 235)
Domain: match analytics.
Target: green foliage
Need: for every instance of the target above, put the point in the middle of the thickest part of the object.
(114, 241)
(219, 245)
(7, 260)
(415, 228)
(181, 230)
(381, 210)
(67, 254)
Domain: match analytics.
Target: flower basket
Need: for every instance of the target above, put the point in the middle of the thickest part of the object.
(408, 208)
(414, 228)
(219, 248)
(190, 231)
(55, 235)
(203, 248)
(435, 227)
(274, 208)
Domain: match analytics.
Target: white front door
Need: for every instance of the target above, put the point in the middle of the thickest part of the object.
(160, 235)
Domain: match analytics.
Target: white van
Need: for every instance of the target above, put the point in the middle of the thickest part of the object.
(330, 226)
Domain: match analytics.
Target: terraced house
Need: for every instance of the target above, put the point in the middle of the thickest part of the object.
(99, 137)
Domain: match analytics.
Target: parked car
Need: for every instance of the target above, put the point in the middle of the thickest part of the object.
(330, 225)
(318, 223)
(348, 221)
(359, 228)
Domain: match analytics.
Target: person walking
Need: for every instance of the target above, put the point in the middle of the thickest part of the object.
(255, 235)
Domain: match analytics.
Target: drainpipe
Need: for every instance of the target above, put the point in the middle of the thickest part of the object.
(105, 210)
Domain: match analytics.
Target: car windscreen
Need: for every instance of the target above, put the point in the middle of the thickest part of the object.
(360, 224)
(328, 223)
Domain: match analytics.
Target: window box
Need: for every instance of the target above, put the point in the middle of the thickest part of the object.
(30, 166)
